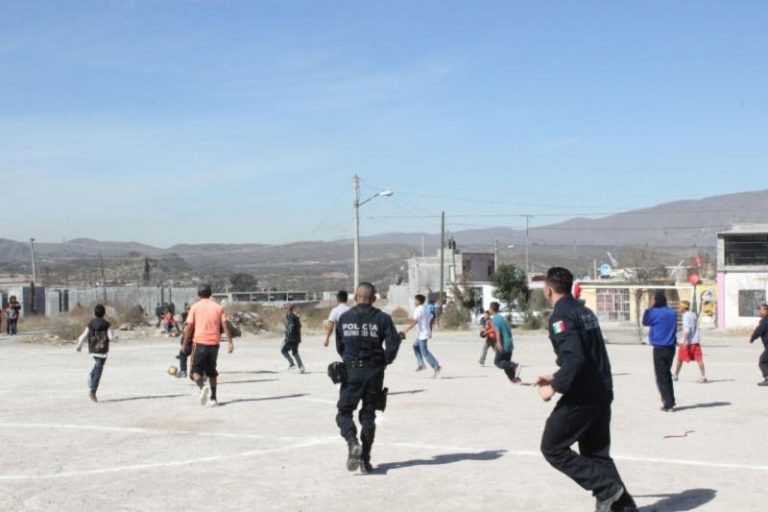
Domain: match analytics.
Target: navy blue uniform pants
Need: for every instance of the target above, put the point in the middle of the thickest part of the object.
(363, 384)
(589, 426)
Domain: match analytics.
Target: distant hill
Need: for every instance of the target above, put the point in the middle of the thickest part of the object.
(676, 224)
(674, 230)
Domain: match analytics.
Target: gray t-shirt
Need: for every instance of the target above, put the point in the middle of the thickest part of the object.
(691, 328)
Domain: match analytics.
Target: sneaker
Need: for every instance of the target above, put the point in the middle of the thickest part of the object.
(420, 368)
(437, 371)
(204, 394)
(93, 396)
(664, 408)
(365, 467)
(606, 504)
(302, 370)
(292, 367)
(674, 378)
(353, 459)
(518, 371)
(764, 383)
(213, 403)
(181, 375)
(703, 380)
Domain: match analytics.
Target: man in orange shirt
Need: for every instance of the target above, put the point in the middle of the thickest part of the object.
(205, 323)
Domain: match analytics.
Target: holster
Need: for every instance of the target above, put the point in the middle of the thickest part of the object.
(337, 372)
(381, 400)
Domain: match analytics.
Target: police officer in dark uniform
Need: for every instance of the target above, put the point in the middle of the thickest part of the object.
(367, 341)
(583, 414)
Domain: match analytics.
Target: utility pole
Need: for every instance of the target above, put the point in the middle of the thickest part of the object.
(442, 259)
(33, 299)
(527, 224)
(103, 277)
(356, 186)
(495, 255)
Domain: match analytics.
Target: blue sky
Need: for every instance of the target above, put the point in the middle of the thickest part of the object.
(243, 121)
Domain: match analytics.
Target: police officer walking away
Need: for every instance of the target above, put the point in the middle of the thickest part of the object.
(583, 414)
(367, 341)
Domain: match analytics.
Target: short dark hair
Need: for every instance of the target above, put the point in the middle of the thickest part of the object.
(495, 306)
(204, 291)
(764, 306)
(420, 298)
(560, 280)
(365, 291)
(342, 296)
(99, 311)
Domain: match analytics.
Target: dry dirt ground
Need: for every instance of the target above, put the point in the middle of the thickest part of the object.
(465, 441)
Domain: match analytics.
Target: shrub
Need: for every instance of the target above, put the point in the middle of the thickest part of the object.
(455, 316)
(532, 323)
(400, 316)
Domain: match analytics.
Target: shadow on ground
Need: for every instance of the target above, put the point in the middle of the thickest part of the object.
(703, 406)
(262, 399)
(687, 500)
(411, 392)
(253, 372)
(440, 460)
(247, 381)
(132, 398)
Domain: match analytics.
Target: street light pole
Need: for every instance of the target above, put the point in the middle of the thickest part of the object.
(357, 204)
(356, 183)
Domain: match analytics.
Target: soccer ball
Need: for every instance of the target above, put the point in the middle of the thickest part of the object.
(172, 370)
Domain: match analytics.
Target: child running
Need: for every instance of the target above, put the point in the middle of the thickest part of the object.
(98, 333)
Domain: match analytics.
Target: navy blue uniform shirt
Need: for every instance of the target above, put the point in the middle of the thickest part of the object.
(368, 334)
(584, 377)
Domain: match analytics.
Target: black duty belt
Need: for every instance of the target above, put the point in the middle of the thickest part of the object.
(363, 363)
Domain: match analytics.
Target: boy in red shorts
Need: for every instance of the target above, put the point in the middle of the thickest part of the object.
(690, 349)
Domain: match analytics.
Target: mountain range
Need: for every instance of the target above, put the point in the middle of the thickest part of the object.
(669, 230)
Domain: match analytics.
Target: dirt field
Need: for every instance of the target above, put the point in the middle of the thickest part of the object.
(465, 441)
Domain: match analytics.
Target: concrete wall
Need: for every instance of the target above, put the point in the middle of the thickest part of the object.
(125, 296)
(732, 284)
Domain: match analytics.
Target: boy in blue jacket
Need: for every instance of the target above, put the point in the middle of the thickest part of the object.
(663, 336)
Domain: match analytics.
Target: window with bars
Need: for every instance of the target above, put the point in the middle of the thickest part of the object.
(746, 250)
(613, 304)
(749, 302)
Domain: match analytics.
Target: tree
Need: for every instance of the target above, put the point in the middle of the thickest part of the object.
(243, 282)
(511, 285)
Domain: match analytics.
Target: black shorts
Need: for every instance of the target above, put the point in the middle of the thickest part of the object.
(204, 360)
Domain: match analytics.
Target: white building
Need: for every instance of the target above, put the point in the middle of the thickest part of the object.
(742, 274)
(471, 268)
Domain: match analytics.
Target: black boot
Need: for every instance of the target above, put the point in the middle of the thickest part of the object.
(353, 458)
(625, 504)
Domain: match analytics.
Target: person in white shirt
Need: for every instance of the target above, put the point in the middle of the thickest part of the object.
(341, 307)
(690, 348)
(422, 320)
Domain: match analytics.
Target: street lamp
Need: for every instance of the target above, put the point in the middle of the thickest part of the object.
(357, 205)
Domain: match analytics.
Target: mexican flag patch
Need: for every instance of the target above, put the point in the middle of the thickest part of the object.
(558, 327)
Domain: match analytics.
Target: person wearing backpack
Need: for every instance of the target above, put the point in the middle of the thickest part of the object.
(98, 333)
(292, 338)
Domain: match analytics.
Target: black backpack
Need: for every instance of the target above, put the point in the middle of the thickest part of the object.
(98, 337)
